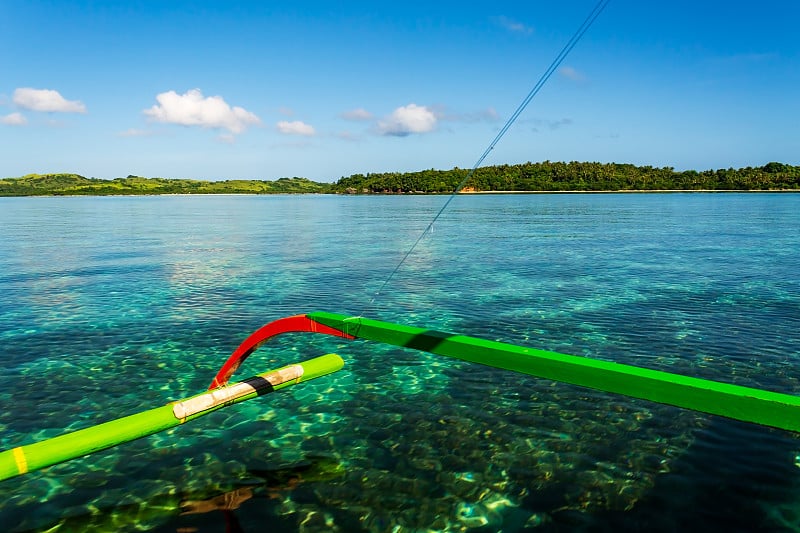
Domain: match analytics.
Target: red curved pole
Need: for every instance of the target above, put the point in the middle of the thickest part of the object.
(297, 323)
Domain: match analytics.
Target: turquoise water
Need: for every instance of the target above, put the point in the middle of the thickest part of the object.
(112, 305)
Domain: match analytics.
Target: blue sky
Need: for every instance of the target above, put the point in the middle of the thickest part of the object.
(263, 90)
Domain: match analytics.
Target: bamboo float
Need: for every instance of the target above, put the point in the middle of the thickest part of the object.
(29, 457)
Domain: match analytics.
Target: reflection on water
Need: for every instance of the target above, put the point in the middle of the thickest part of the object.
(153, 294)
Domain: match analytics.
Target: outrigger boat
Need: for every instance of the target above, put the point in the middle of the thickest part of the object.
(732, 401)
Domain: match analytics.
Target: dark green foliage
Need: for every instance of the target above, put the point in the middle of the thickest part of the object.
(426, 181)
(574, 176)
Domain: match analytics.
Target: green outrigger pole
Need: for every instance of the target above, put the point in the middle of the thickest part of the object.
(732, 401)
(45, 453)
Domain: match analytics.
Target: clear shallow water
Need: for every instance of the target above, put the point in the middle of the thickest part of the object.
(111, 305)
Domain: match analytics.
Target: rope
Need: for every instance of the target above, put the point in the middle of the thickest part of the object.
(588, 21)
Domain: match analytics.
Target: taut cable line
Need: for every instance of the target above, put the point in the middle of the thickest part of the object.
(588, 21)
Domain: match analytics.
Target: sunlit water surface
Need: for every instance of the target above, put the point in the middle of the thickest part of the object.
(112, 305)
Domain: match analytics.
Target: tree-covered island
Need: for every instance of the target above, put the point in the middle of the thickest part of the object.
(75, 185)
(546, 176)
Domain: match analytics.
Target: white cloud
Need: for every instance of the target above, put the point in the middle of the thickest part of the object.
(347, 136)
(512, 25)
(489, 114)
(14, 119)
(547, 123)
(135, 132)
(295, 127)
(357, 114)
(192, 109)
(46, 100)
(571, 74)
(555, 124)
(408, 119)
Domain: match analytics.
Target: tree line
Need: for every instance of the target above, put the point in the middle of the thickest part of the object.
(574, 176)
(526, 177)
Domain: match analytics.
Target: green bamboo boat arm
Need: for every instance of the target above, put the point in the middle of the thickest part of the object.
(733, 401)
(45, 453)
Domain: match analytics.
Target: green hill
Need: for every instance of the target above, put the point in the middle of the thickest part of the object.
(74, 185)
(526, 177)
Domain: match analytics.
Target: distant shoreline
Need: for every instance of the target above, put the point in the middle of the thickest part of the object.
(633, 191)
(528, 178)
(465, 193)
